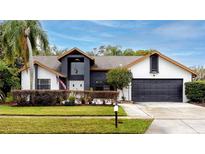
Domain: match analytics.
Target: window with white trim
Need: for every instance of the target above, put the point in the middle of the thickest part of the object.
(44, 84)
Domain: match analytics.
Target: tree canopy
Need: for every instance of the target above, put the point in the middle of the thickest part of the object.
(14, 40)
(117, 50)
(200, 71)
(8, 78)
(119, 78)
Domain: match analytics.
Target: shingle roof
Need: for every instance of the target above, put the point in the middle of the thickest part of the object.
(50, 61)
(109, 62)
(101, 62)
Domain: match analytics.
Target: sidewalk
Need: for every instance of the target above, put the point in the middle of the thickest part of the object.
(72, 117)
(133, 111)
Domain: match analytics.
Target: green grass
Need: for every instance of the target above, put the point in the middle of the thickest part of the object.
(61, 110)
(71, 126)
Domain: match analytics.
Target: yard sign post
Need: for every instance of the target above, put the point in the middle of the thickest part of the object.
(116, 115)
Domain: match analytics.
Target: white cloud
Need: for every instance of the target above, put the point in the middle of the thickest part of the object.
(74, 38)
(108, 35)
(186, 53)
(124, 24)
(107, 23)
(181, 30)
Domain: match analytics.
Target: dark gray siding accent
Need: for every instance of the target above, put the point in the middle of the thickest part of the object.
(76, 77)
(86, 73)
(65, 70)
(36, 75)
(64, 65)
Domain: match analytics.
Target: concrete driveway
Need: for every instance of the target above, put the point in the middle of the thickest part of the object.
(170, 118)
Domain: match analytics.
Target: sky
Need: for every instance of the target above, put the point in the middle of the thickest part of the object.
(183, 41)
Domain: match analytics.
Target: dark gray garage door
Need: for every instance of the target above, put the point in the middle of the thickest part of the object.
(157, 90)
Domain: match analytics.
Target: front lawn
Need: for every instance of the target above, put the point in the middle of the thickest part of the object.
(71, 126)
(61, 110)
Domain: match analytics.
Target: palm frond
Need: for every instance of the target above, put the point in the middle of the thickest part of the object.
(14, 40)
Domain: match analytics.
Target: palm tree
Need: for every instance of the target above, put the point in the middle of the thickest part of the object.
(23, 39)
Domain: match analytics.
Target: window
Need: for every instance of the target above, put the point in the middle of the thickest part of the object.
(99, 85)
(77, 68)
(154, 68)
(44, 84)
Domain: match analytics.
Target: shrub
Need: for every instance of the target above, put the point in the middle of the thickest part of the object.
(8, 79)
(195, 91)
(39, 97)
(55, 97)
(9, 98)
(96, 94)
(123, 98)
(82, 100)
(89, 100)
(71, 100)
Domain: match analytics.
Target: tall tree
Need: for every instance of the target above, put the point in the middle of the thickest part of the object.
(200, 71)
(128, 52)
(23, 39)
(110, 50)
(144, 52)
(99, 51)
(113, 51)
(55, 51)
(1, 41)
(8, 79)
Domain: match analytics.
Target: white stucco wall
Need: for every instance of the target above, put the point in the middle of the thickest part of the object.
(45, 74)
(76, 85)
(127, 93)
(167, 70)
(25, 80)
(42, 74)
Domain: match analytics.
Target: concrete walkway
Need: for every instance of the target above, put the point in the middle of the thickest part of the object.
(134, 111)
(170, 118)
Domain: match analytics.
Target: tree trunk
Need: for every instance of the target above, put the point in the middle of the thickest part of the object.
(31, 67)
(123, 97)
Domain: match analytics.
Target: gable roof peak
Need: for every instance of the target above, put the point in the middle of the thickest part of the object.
(165, 58)
(75, 49)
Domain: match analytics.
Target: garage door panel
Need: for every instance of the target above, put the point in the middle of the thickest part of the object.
(157, 90)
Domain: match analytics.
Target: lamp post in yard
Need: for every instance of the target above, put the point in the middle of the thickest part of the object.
(116, 114)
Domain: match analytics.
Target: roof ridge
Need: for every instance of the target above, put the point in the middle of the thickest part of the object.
(119, 56)
(45, 56)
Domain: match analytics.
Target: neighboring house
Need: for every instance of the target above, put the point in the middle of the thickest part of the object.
(156, 78)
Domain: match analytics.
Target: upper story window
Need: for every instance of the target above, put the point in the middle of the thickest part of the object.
(44, 84)
(154, 63)
(77, 68)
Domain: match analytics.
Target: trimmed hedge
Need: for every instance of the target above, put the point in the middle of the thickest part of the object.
(39, 97)
(195, 91)
(97, 94)
(55, 97)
